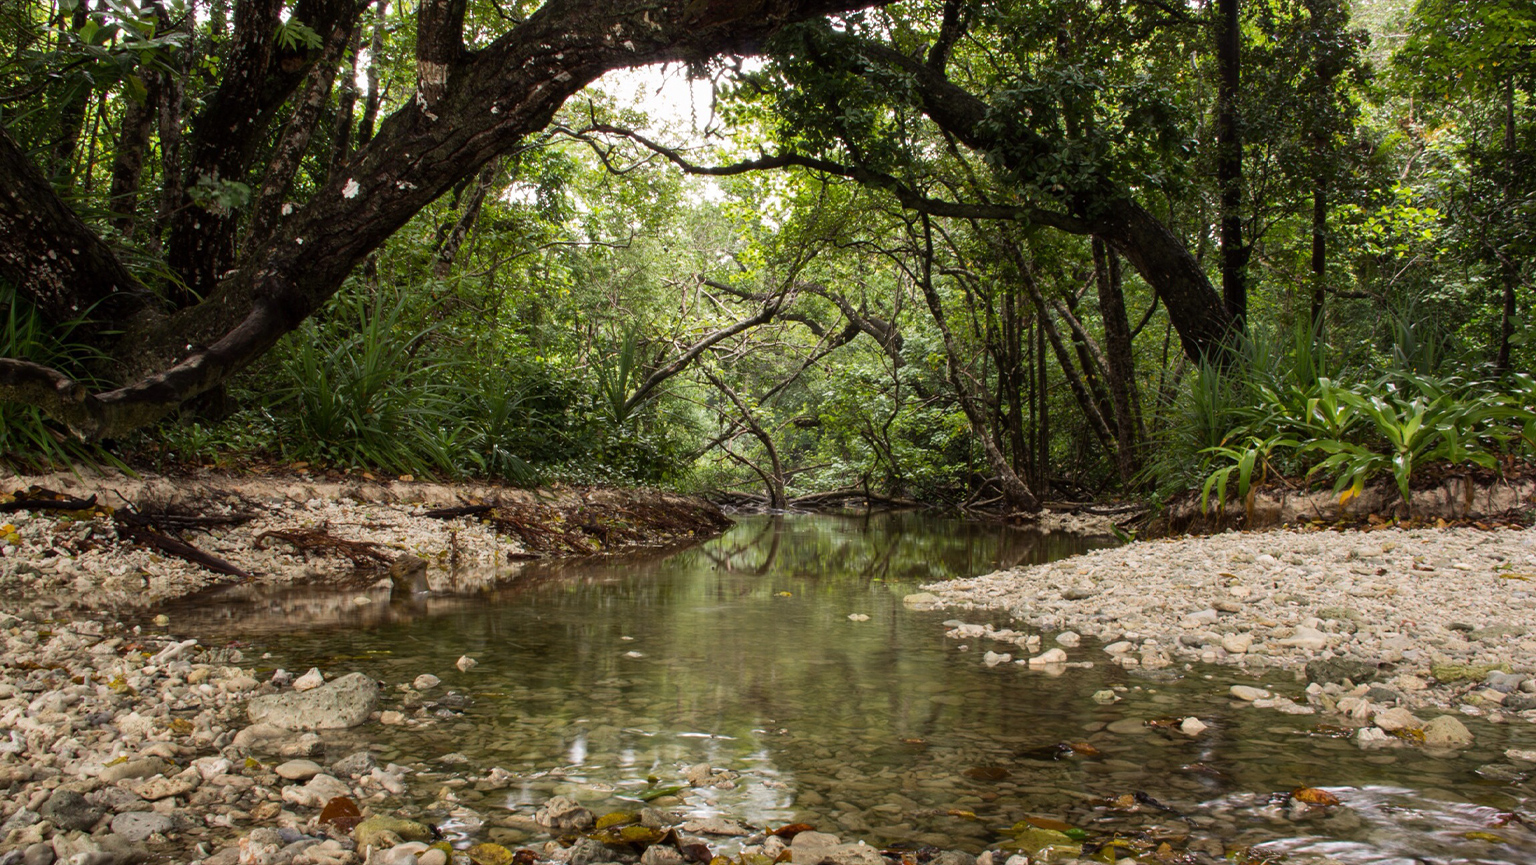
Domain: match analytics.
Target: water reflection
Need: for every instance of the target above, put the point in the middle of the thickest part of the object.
(597, 677)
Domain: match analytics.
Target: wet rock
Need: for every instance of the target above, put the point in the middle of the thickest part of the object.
(67, 809)
(161, 787)
(310, 680)
(1070, 639)
(588, 852)
(344, 702)
(433, 856)
(1248, 693)
(1397, 718)
(561, 813)
(139, 825)
(816, 848)
(465, 663)
(992, 659)
(355, 765)
(661, 855)
(373, 830)
(298, 770)
(1193, 726)
(922, 601)
(1446, 733)
(141, 768)
(1237, 644)
(715, 826)
(1339, 669)
(425, 682)
(320, 790)
(1049, 656)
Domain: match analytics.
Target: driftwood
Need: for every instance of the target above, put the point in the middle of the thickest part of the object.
(322, 542)
(39, 499)
(147, 536)
(461, 511)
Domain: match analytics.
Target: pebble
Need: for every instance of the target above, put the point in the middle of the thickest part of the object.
(1070, 639)
(1193, 727)
(309, 681)
(425, 682)
(1048, 657)
(1248, 693)
(465, 663)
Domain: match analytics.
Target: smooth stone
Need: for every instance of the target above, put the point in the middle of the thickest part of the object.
(465, 663)
(344, 702)
(922, 601)
(1070, 639)
(310, 680)
(1307, 638)
(298, 770)
(1445, 733)
(434, 856)
(146, 767)
(1049, 656)
(369, 832)
(1193, 726)
(1127, 726)
(315, 794)
(139, 825)
(425, 682)
(563, 813)
(1248, 693)
(1397, 718)
(1237, 644)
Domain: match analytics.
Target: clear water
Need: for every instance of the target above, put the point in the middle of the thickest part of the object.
(596, 677)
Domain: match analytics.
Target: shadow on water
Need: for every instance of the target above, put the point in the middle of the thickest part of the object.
(595, 676)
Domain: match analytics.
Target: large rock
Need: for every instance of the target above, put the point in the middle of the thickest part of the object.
(1445, 733)
(563, 814)
(139, 825)
(345, 702)
(819, 848)
(69, 810)
(374, 830)
(1339, 669)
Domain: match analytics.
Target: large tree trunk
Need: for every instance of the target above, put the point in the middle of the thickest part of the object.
(493, 99)
(1229, 160)
(258, 76)
(1100, 207)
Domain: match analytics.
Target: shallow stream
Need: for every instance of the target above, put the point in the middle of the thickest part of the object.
(605, 680)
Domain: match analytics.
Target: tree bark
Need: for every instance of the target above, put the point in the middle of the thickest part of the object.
(256, 78)
(346, 108)
(1015, 490)
(371, 102)
(128, 157)
(284, 164)
(1120, 361)
(448, 250)
(508, 90)
(1229, 161)
(1511, 268)
(52, 257)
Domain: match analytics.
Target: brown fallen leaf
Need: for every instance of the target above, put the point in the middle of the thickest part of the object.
(1314, 796)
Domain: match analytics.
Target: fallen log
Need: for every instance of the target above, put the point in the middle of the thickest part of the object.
(34, 500)
(180, 549)
(460, 511)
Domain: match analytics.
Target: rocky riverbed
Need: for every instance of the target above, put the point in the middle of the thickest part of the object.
(122, 743)
(1375, 625)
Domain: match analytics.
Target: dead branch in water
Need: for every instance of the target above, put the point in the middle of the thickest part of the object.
(321, 542)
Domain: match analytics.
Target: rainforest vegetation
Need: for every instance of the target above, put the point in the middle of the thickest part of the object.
(944, 250)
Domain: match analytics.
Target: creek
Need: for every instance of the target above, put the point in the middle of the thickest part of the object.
(607, 679)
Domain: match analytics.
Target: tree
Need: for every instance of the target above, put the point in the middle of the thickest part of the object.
(233, 297)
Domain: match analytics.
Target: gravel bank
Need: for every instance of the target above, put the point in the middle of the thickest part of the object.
(1445, 616)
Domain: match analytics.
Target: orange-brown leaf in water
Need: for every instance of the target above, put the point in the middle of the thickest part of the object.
(1314, 796)
(524, 856)
(342, 813)
(1083, 749)
(793, 829)
(987, 773)
(961, 813)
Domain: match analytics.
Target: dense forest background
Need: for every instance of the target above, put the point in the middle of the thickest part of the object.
(950, 251)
